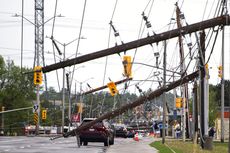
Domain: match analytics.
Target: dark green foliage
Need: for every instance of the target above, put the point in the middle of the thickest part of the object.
(16, 91)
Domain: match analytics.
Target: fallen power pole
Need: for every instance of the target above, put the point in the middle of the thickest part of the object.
(138, 102)
(103, 87)
(141, 42)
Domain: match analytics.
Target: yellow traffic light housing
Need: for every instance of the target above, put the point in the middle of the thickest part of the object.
(179, 102)
(80, 107)
(112, 88)
(127, 66)
(220, 71)
(37, 75)
(44, 114)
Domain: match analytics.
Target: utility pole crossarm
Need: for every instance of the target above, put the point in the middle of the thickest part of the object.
(141, 42)
(103, 87)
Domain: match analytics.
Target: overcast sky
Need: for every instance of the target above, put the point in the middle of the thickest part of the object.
(127, 20)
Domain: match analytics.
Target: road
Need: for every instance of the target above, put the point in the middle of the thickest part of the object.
(22, 144)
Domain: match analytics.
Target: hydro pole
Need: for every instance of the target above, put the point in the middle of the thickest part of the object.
(39, 46)
(137, 102)
(141, 42)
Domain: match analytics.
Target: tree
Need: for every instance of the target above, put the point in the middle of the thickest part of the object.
(213, 104)
(226, 92)
(16, 91)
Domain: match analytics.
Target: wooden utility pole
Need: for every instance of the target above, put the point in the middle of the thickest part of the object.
(103, 87)
(137, 102)
(195, 114)
(184, 92)
(211, 23)
(202, 86)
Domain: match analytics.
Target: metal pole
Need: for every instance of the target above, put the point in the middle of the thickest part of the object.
(222, 90)
(81, 101)
(22, 35)
(164, 96)
(63, 95)
(3, 109)
(69, 113)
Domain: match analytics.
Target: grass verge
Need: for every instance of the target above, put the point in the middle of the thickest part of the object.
(188, 147)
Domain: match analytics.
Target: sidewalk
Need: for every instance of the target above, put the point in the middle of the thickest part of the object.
(141, 146)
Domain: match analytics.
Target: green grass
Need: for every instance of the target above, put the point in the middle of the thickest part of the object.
(161, 147)
(188, 147)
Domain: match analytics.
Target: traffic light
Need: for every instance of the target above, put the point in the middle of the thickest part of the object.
(127, 66)
(79, 107)
(207, 71)
(179, 102)
(44, 112)
(112, 88)
(37, 75)
(220, 71)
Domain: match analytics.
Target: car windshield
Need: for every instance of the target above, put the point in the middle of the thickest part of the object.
(120, 127)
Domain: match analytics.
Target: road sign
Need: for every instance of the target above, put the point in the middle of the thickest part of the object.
(35, 118)
(35, 108)
(76, 117)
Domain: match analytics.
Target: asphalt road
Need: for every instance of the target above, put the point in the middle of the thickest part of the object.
(69, 145)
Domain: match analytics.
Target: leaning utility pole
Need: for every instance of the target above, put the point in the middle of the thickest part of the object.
(103, 87)
(140, 42)
(39, 46)
(136, 103)
(182, 68)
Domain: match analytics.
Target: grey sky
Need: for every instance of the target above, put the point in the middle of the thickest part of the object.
(127, 20)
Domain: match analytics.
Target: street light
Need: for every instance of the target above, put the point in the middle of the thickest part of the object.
(81, 98)
(63, 89)
(69, 87)
(39, 46)
(18, 15)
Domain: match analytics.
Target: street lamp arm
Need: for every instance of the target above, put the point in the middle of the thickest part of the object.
(52, 18)
(17, 15)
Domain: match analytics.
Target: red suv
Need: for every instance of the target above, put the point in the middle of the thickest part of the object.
(100, 132)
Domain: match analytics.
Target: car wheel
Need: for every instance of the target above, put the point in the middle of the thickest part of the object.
(106, 142)
(85, 143)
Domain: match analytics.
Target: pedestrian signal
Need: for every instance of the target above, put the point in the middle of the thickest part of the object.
(112, 88)
(37, 75)
(127, 66)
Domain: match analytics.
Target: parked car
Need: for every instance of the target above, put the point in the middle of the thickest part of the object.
(99, 132)
(131, 133)
(121, 130)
